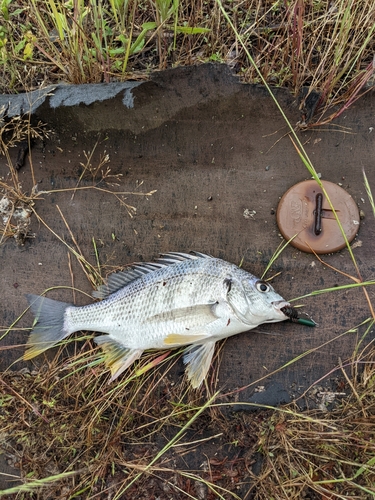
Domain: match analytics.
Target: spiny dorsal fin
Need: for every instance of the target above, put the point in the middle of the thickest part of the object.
(173, 257)
(116, 281)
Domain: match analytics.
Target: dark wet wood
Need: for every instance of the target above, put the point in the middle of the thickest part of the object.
(211, 148)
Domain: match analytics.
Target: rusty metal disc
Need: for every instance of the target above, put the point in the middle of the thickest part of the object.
(305, 212)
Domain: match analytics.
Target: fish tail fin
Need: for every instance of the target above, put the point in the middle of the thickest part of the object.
(49, 329)
(116, 356)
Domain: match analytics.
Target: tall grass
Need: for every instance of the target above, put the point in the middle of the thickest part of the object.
(81, 42)
(322, 47)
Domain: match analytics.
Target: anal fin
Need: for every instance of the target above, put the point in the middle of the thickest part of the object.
(116, 356)
(198, 358)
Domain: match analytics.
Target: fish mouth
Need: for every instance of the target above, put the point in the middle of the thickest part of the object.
(284, 307)
(293, 314)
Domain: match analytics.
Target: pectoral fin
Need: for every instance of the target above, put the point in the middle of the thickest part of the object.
(198, 358)
(201, 314)
(117, 357)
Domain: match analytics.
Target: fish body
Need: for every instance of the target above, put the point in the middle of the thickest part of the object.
(190, 300)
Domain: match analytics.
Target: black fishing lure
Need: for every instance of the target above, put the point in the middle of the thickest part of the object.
(295, 317)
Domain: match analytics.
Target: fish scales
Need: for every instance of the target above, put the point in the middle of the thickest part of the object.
(143, 310)
(188, 300)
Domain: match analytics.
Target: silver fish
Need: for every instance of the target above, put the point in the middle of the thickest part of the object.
(181, 299)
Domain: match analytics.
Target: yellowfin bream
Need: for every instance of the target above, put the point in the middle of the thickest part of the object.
(190, 300)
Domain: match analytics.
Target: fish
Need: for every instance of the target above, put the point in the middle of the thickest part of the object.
(179, 300)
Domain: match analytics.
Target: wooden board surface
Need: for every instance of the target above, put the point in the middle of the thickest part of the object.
(211, 148)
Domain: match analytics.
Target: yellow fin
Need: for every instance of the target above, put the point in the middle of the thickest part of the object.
(116, 356)
(198, 359)
(184, 339)
(49, 328)
(32, 350)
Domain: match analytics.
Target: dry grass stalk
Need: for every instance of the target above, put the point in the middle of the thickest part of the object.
(69, 419)
(330, 455)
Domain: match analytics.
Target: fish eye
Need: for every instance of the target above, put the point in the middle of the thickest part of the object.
(262, 286)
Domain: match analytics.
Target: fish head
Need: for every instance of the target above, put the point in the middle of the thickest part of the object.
(255, 302)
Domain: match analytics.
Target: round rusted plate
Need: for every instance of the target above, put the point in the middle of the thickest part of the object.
(305, 213)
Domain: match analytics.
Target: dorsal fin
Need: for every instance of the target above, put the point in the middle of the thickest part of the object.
(173, 257)
(116, 281)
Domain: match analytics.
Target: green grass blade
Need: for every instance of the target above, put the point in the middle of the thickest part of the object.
(36, 484)
(295, 139)
(369, 192)
(169, 445)
(57, 19)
